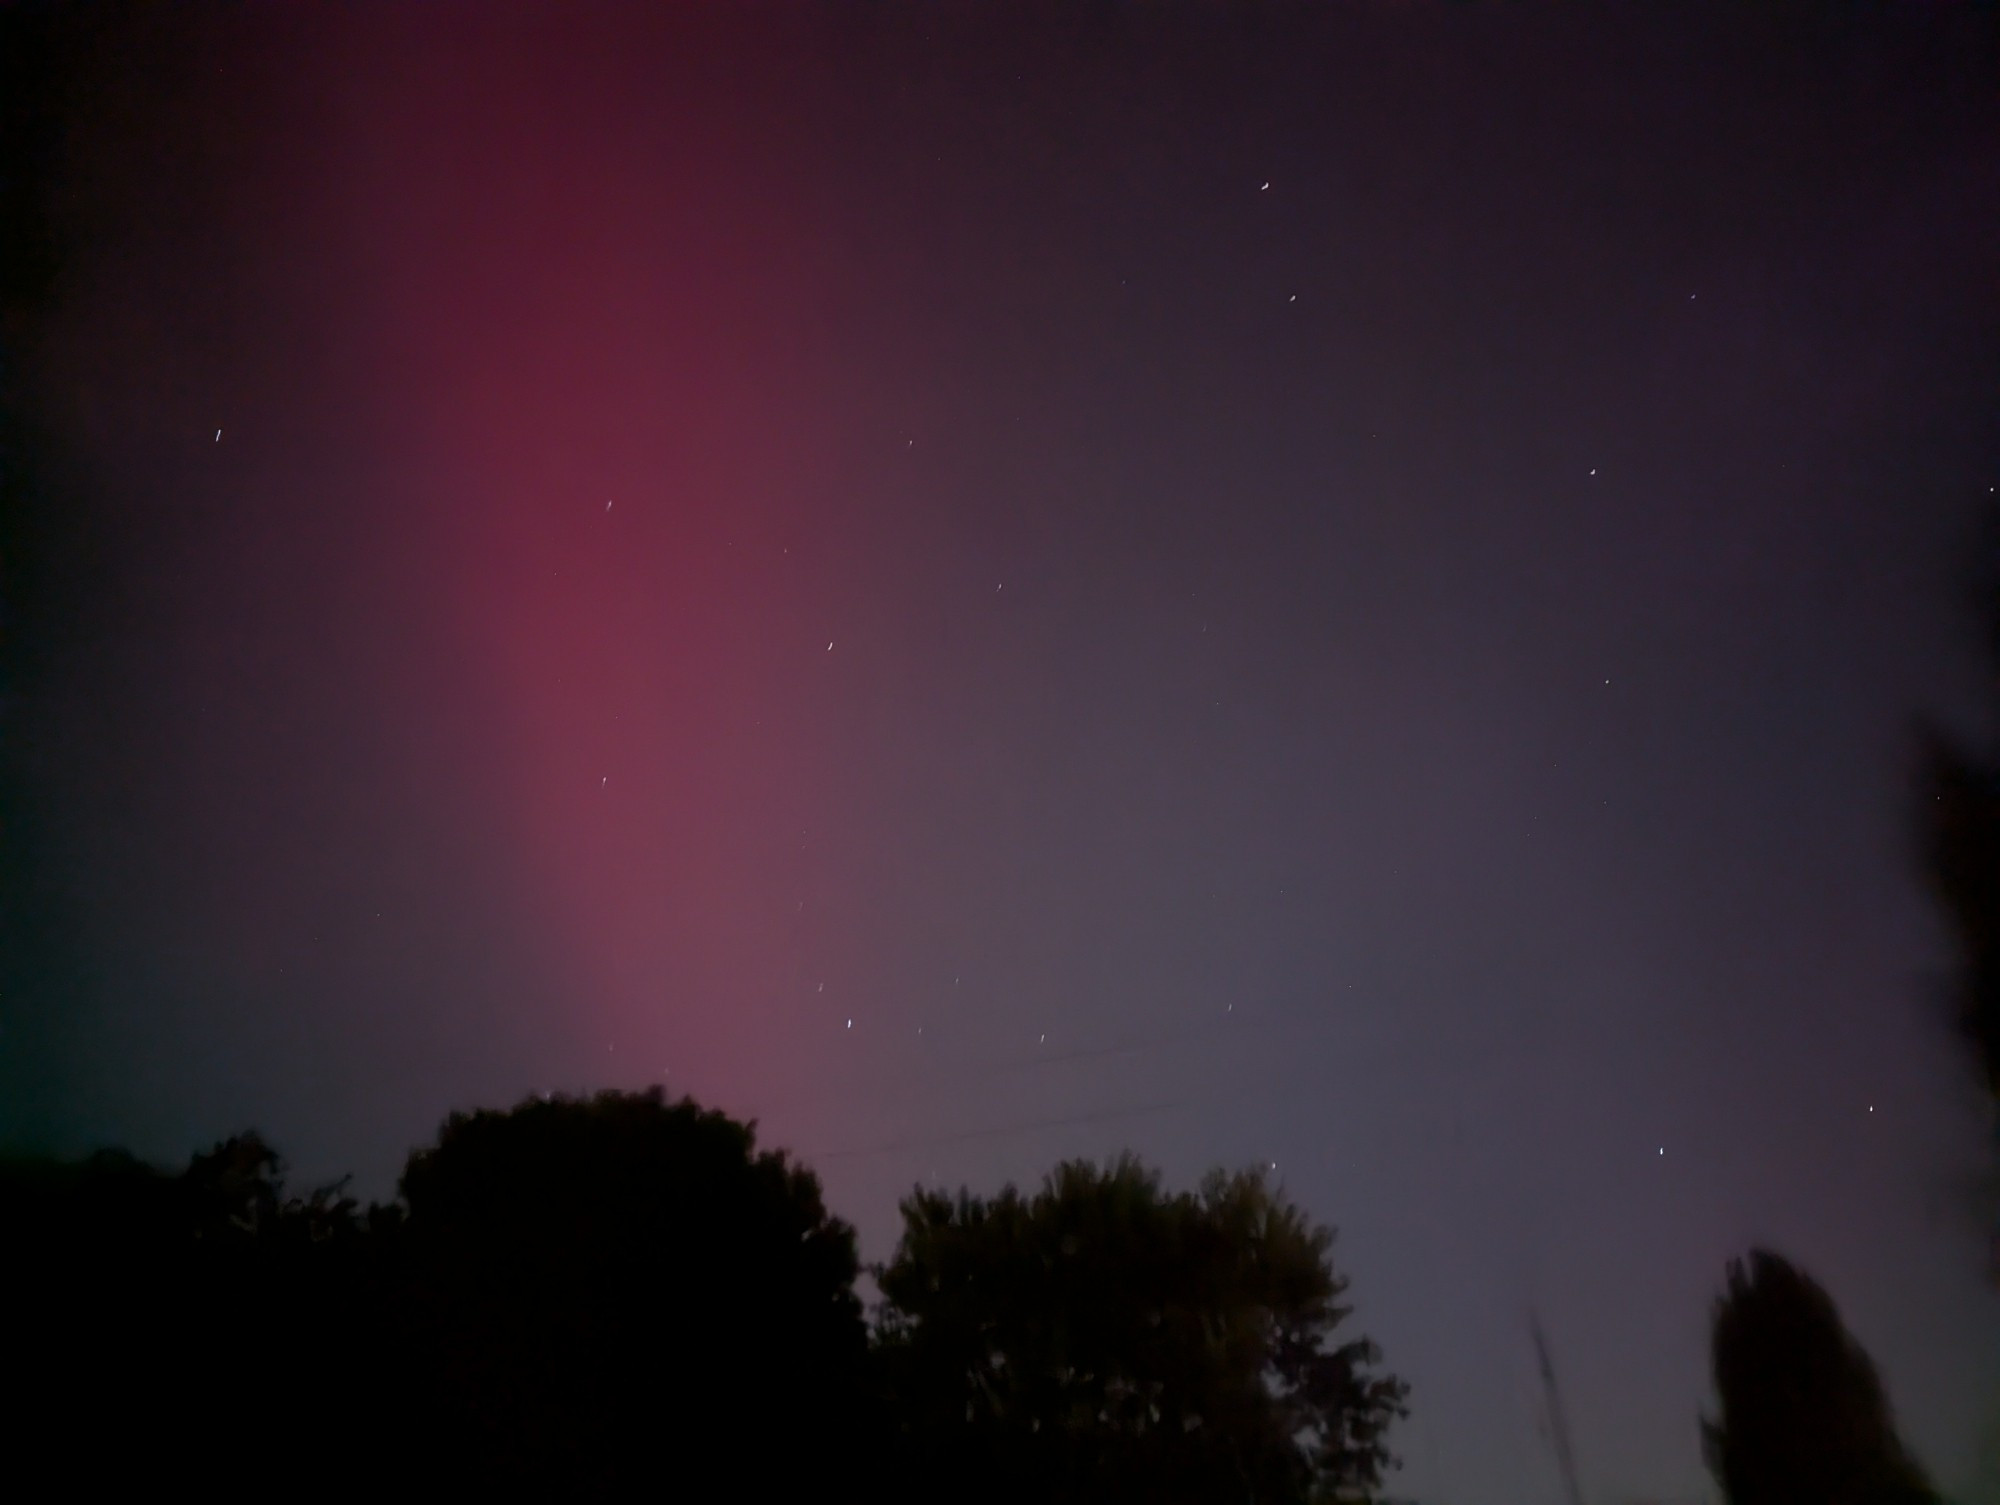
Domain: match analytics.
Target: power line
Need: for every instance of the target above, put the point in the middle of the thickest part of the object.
(1002, 1131)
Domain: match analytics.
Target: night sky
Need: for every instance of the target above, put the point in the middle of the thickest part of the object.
(1341, 587)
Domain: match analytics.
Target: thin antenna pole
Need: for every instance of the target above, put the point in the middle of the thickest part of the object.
(1558, 1425)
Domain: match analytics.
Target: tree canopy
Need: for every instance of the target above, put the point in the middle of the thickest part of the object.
(579, 1296)
(584, 1296)
(159, 1322)
(1959, 841)
(1804, 1419)
(1104, 1340)
(1962, 860)
(617, 1289)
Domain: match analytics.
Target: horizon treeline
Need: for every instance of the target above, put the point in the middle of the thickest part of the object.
(593, 1294)
(589, 1295)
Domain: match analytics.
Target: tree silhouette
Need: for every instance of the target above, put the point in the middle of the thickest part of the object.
(200, 1320)
(576, 1297)
(1960, 821)
(1803, 1420)
(616, 1291)
(1959, 828)
(1963, 861)
(1104, 1341)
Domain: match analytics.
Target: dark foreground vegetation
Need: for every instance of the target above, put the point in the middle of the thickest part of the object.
(582, 1296)
(1804, 1419)
(620, 1293)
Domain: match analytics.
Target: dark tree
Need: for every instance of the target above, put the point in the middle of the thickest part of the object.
(1963, 860)
(161, 1327)
(620, 1292)
(95, 1252)
(1803, 1419)
(574, 1297)
(1105, 1341)
(1959, 826)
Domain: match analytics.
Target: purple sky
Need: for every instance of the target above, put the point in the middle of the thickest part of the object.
(1379, 563)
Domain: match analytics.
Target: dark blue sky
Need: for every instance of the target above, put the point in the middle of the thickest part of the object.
(1341, 587)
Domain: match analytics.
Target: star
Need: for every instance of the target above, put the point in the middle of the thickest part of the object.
(218, 436)
(1265, 188)
(607, 506)
(829, 647)
(850, 1024)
